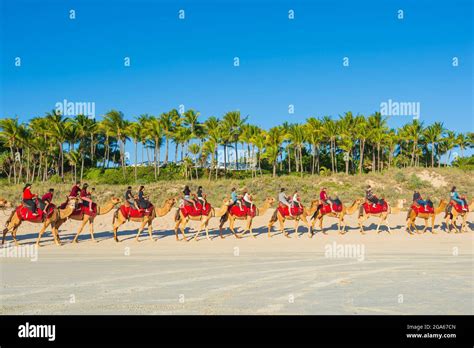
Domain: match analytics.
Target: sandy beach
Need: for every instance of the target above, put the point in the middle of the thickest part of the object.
(329, 274)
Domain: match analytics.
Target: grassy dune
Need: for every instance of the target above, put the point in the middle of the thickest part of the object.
(393, 184)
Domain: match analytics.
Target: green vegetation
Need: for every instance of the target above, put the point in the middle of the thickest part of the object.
(60, 149)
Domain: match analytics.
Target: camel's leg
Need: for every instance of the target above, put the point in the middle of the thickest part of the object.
(296, 228)
(249, 227)
(140, 229)
(5, 231)
(388, 227)
(176, 227)
(182, 228)
(270, 225)
(464, 224)
(55, 232)
(321, 225)
(361, 221)
(282, 228)
(150, 229)
(341, 225)
(311, 229)
(116, 226)
(432, 224)
(80, 230)
(40, 233)
(206, 226)
(198, 232)
(305, 221)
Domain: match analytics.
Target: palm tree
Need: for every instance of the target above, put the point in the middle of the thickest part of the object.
(329, 129)
(273, 141)
(194, 149)
(134, 130)
(234, 123)
(9, 134)
(313, 135)
(118, 128)
(154, 129)
(57, 125)
(432, 135)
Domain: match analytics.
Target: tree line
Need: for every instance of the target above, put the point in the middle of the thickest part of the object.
(59, 145)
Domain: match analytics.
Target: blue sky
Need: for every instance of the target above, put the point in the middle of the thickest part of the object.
(282, 61)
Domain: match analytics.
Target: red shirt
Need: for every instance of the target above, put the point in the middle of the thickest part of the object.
(323, 196)
(47, 197)
(75, 190)
(84, 193)
(27, 194)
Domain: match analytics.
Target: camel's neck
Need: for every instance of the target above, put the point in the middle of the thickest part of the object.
(105, 209)
(441, 207)
(263, 209)
(222, 211)
(66, 212)
(162, 211)
(352, 208)
(471, 205)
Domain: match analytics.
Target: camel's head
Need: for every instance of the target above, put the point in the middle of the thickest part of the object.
(171, 201)
(227, 201)
(72, 202)
(315, 203)
(115, 200)
(358, 201)
(270, 200)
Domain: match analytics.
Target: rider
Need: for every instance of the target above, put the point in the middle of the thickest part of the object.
(29, 199)
(295, 201)
(235, 198)
(283, 199)
(370, 197)
(458, 199)
(200, 196)
(248, 199)
(143, 201)
(419, 200)
(324, 197)
(187, 196)
(76, 189)
(86, 197)
(47, 198)
(130, 199)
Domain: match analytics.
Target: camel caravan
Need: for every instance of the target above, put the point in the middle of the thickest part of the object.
(190, 206)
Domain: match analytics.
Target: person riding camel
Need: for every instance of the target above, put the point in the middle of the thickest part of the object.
(417, 199)
(187, 196)
(29, 199)
(370, 197)
(75, 190)
(143, 201)
(235, 198)
(86, 197)
(324, 197)
(47, 198)
(284, 200)
(248, 199)
(130, 198)
(200, 196)
(458, 198)
(296, 200)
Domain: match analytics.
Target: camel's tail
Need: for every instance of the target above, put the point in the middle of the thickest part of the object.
(115, 216)
(315, 213)
(274, 216)
(223, 220)
(177, 217)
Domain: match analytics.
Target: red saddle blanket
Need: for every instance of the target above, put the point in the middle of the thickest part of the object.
(379, 208)
(458, 207)
(199, 210)
(246, 211)
(326, 208)
(80, 210)
(284, 210)
(419, 209)
(130, 212)
(26, 214)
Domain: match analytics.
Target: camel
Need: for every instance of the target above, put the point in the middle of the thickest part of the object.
(412, 215)
(80, 216)
(231, 217)
(119, 219)
(5, 204)
(452, 217)
(182, 221)
(14, 222)
(383, 215)
(277, 216)
(341, 224)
